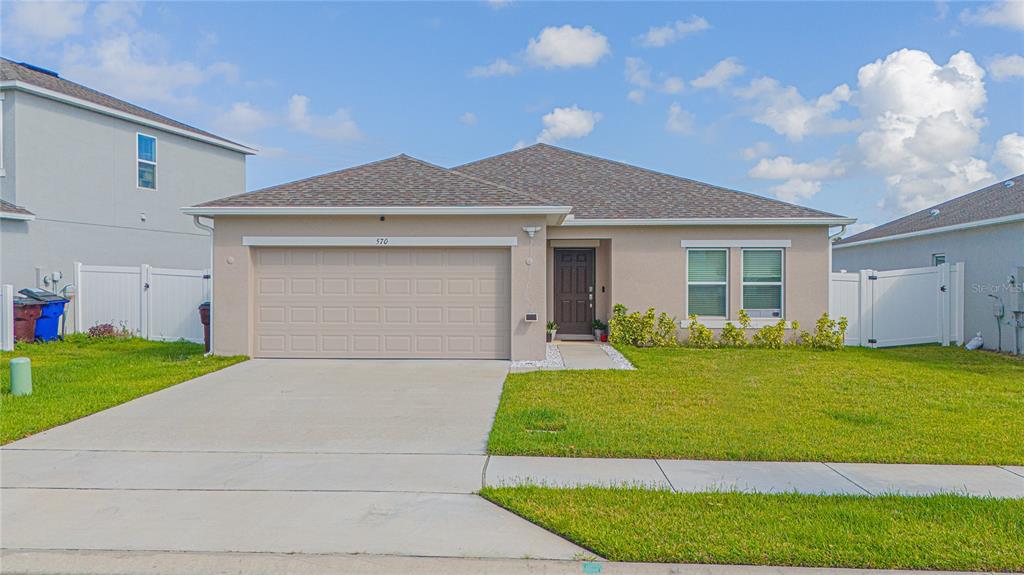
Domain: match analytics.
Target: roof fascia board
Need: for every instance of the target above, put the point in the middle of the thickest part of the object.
(14, 216)
(373, 210)
(78, 102)
(932, 231)
(710, 222)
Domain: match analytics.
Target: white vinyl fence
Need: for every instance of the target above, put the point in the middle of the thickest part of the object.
(154, 303)
(901, 307)
(7, 317)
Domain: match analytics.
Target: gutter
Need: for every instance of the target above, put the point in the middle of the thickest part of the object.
(941, 230)
(209, 230)
(821, 221)
(19, 217)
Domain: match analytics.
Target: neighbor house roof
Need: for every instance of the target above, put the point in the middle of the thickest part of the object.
(401, 181)
(597, 188)
(992, 204)
(26, 74)
(9, 210)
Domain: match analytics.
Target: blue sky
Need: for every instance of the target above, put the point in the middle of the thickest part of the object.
(864, 109)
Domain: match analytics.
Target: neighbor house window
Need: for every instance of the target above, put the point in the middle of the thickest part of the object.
(762, 283)
(938, 259)
(145, 151)
(707, 282)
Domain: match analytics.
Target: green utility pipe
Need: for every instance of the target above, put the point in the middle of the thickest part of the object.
(21, 376)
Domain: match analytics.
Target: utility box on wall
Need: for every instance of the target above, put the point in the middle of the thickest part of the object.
(1015, 299)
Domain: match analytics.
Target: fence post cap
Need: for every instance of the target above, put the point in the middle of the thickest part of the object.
(20, 360)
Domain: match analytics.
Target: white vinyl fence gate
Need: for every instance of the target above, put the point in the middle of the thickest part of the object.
(154, 303)
(6, 317)
(901, 307)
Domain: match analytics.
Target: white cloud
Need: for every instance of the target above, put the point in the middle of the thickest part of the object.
(122, 15)
(1006, 67)
(922, 125)
(1002, 13)
(243, 118)
(679, 120)
(854, 229)
(519, 145)
(638, 72)
(498, 4)
(562, 123)
(758, 150)
(785, 111)
(784, 168)
(659, 36)
(796, 189)
(673, 85)
(1010, 153)
(566, 47)
(469, 119)
(636, 96)
(338, 126)
(123, 66)
(719, 74)
(43, 22)
(499, 67)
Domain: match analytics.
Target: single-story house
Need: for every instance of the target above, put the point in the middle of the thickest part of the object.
(983, 229)
(405, 259)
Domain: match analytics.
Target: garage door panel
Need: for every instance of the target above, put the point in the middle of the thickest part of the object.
(382, 302)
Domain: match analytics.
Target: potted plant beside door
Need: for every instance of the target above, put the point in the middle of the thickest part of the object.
(552, 330)
(599, 329)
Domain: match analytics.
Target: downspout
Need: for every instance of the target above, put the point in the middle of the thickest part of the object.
(209, 230)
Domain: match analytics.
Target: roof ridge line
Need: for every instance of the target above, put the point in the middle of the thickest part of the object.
(474, 178)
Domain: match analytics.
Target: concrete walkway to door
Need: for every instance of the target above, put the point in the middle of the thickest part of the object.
(290, 456)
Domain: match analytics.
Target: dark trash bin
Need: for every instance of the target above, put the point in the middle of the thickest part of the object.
(26, 312)
(52, 307)
(204, 316)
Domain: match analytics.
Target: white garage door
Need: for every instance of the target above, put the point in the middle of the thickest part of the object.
(382, 302)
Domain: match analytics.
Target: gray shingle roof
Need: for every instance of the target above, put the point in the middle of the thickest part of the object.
(1005, 198)
(397, 181)
(14, 71)
(9, 208)
(598, 188)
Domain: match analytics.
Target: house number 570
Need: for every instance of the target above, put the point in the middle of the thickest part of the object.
(382, 241)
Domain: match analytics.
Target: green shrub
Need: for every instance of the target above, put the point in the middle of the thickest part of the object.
(772, 336)
(733, 336)
(829, 334)
(701, 335)
(641, 330)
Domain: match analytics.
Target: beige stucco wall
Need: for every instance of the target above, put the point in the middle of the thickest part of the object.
(233, 266)
(646, 266)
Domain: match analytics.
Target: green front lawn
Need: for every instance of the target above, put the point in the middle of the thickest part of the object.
(924, 404)
(80, 376)
(890, 532)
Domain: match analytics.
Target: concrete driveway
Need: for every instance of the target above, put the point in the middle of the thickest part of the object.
(291, 456)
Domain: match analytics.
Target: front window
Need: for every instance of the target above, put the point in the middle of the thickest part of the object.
(707, 282)
(938, 259)
(146, 156)
(762, 283)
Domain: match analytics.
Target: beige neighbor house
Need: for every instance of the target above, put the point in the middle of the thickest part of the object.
(405, 259)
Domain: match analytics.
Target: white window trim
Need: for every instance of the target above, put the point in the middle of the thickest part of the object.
(781, 284)
(937, 254)
(686, 306)
(156, 152)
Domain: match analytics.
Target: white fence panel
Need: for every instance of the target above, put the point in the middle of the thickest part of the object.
(154, 303)
(108, 294)
(6, 317)
(174, 298)
(844, 301)
(901, 307)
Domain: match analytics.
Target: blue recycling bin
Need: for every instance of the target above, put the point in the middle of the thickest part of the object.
(48, 324)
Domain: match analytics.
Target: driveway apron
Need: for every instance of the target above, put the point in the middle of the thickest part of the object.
(292, 456)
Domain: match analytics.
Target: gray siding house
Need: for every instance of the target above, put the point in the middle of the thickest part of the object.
(983, 229)
(87, 177)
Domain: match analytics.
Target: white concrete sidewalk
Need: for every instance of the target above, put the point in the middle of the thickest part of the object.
(758, 476)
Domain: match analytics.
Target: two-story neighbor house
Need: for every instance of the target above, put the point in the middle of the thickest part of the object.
(87, 177)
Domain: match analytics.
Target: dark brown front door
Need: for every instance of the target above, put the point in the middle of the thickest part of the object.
(574, 290)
